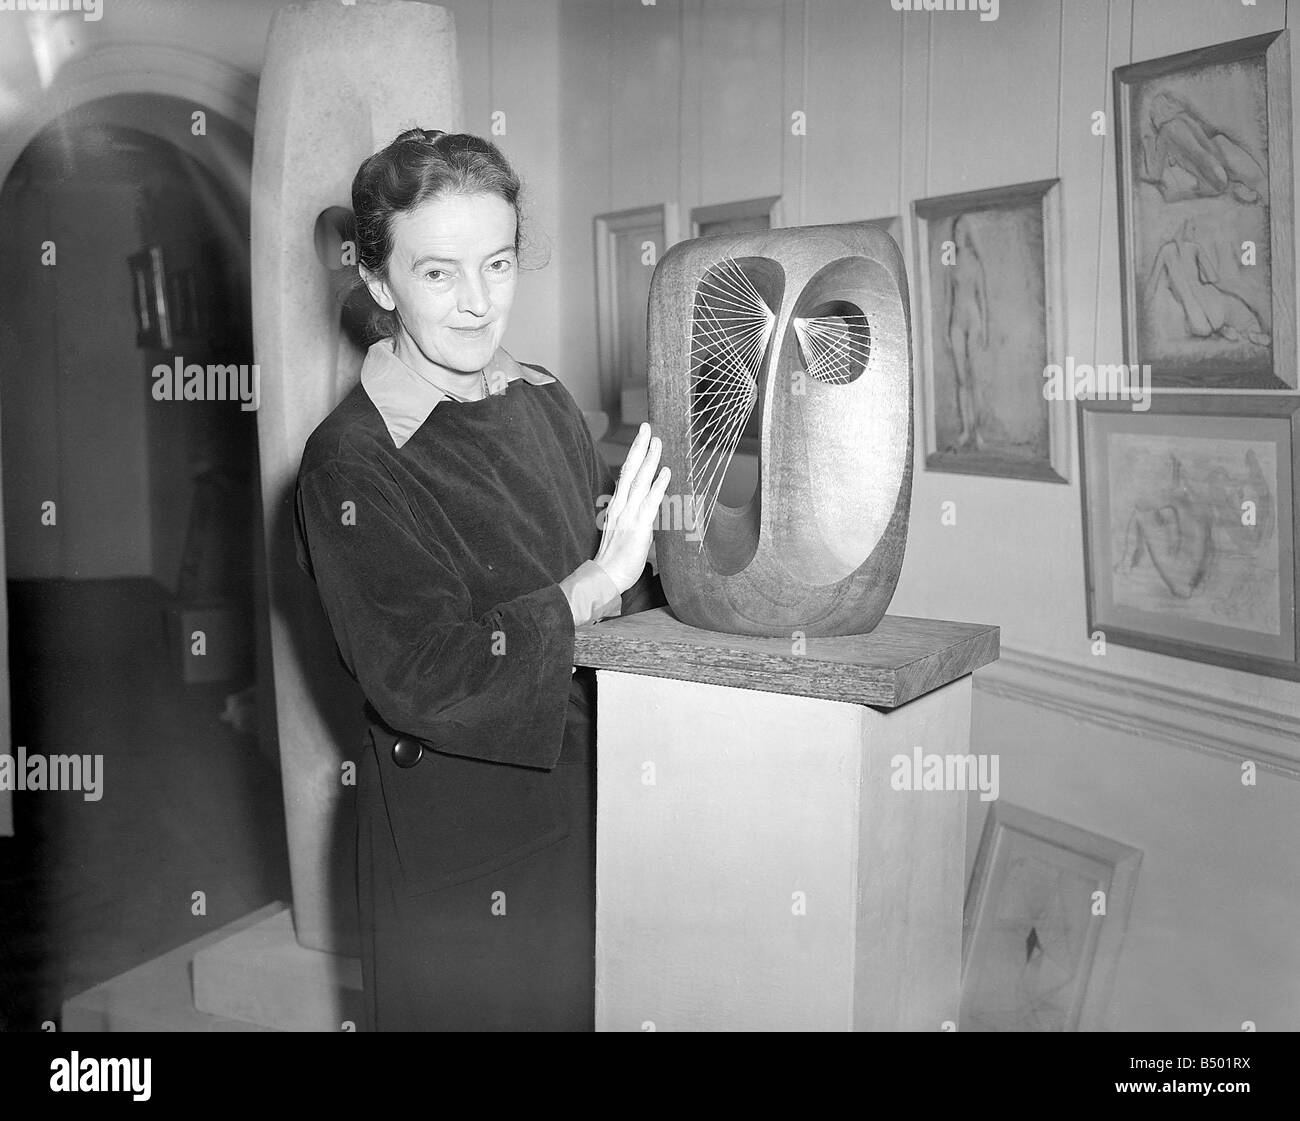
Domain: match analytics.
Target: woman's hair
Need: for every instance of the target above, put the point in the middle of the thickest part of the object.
(420, 165)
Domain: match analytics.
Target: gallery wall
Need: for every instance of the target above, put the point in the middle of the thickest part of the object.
(689, 103)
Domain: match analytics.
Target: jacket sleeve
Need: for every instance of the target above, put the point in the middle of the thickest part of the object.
(492, 687)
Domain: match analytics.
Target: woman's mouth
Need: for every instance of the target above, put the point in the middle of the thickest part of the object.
(472, 333)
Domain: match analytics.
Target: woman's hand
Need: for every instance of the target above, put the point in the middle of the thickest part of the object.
(631, 514)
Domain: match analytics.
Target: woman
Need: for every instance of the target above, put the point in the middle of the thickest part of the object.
(447, 510)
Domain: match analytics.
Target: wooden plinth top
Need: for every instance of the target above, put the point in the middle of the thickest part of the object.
(902, 659)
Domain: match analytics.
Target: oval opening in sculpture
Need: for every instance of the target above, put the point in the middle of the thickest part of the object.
(824, 442)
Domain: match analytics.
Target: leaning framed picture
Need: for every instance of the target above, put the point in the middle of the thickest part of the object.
(1189, 527)
(1206, 215)
(1044, 924)
(990, 324)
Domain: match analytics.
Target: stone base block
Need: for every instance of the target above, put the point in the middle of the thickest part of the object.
(260, 974)
(157, 996)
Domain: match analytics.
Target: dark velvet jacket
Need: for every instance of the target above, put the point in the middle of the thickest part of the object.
(438, 563)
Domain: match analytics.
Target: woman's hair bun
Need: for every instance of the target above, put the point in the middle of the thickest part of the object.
(420, 136)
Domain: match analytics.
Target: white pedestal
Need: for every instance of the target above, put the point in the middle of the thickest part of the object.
(757, 868)
(757, 871)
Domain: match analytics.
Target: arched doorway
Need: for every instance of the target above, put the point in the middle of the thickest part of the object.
(125, 70)
(156, 507)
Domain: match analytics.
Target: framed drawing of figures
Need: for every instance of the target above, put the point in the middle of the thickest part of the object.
(1189, 523)
(1206, 215)
(1044, 924)
(991, 322)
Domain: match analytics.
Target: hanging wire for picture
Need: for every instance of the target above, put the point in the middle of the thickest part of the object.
(836, 347)
(730, 328)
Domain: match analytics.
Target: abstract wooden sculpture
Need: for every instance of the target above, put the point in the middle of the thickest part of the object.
(811, 326)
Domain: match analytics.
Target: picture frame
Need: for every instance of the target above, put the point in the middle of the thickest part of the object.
(622, 297)
(1206, 215)
(1189, 527)
(1036, 954)
(991, 320)
(736, 217)
(149, 295)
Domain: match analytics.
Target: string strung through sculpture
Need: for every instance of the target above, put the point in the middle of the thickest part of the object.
(731, 327)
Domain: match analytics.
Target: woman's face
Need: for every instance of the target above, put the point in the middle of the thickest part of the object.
(451, 279)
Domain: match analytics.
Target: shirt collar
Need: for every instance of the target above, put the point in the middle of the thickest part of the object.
(405, 398)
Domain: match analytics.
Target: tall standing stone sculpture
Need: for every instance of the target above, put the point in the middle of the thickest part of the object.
(809, 326)
(339, 82)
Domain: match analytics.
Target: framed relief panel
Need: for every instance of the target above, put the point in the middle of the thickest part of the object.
(990, 324)
(1189, 523)
(1207, 231)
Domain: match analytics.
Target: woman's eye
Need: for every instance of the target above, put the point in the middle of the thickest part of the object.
(502, 265)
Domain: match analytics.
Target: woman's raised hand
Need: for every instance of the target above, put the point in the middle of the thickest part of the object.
(631, 514)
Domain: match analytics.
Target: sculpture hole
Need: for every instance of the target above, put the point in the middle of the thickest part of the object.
(835, 339)
(336, 238)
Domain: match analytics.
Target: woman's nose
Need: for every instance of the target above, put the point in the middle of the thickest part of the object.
(472, 296)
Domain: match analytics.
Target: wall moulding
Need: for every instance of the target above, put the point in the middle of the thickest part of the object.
(1148, 710)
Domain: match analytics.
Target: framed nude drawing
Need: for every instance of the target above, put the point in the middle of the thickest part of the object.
(1189, 521)
(990, 325)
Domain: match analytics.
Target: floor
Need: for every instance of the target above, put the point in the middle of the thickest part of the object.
(89, 889)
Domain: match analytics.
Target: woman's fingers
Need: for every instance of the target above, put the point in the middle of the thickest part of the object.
(635, 456)
(639, 491)
(654, 499)
(645, 472)
(626, 476)
(642, 446)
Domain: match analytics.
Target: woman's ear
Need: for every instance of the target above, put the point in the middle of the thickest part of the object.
(378, 288)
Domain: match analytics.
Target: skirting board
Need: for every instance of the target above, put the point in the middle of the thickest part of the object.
(1148, 710)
